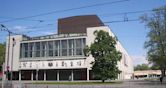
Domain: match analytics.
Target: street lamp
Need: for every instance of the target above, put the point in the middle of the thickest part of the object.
(4, 28)
(14, 42)
(37, 71)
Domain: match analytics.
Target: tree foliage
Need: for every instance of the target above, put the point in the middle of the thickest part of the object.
(141, 67)
(2, 53)
(156, 43)
(105, 56)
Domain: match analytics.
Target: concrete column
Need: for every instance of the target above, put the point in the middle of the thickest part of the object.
(122, 75)
(31, 75)
(87, 74)
(45, 75)
(72, 75)
(36, 75)
(19, 75)
(118, 76)
(147, 76)
(57, 75)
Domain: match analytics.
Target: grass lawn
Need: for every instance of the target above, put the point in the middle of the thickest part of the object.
(79, 83)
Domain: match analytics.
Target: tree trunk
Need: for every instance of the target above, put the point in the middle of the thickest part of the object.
(103, 80)
(162, 72)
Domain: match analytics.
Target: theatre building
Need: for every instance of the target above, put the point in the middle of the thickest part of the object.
(60, 57)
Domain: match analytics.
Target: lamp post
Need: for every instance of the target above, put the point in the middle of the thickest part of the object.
(14, 42)
(37, 71)
(4, 28)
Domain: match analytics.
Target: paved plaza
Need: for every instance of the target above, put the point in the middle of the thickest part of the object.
(125, 84)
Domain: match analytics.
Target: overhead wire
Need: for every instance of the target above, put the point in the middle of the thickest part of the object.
(59, 11)
(78, 25)
(4, 17)
(116, 21)
(131, 12)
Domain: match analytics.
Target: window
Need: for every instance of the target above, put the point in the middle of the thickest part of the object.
(78, 43)
(43, 49)
(79, 47)
(56, 47)
(24, 50)
(50, 48)
(64, 47)
(30, 52)
(71, 47)
(37, 49)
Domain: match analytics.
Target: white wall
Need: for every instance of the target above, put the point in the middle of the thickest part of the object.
(126, 63)
(15, 51)
(55, 64)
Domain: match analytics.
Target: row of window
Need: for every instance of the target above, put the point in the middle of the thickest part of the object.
(68, 47)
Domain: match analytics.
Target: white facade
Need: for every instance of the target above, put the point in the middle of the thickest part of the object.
(62, 62)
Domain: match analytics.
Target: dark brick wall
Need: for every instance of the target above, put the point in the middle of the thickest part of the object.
(78, 24)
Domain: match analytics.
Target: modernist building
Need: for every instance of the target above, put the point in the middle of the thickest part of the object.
(147, 74)
(60, 56)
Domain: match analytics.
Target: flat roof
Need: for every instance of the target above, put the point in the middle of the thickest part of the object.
(54, 36)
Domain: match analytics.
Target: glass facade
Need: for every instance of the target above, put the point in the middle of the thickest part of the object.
(54, 48)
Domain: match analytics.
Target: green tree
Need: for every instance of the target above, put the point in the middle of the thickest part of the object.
(155, 67)
(156, 43)
(141, 67)
(2, 54)
(105, 56)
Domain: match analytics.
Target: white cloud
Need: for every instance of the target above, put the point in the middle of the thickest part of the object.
(139, 60)
(47, 33)
(19, 29)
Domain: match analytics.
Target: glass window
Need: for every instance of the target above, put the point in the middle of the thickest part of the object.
(37, 53)
(50, 53)
(43, 49)
(64, 43)
(71, 47)
(50, 45)
(56, 48)
(30, 54)
(50, 48)
(79, 48)
(79, 51)
(43, 45)
(37, 46)
(64, 52)
(78, 43)
(56, 53)
(25, 47)
(26, 54)
(24, 50)
(64, 47)
(31, 45)
(84, 42)
(71, 43)
(57, 44)
(37, 49)
(71, 52)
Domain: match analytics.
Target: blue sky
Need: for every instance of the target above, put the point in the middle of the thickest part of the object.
(131, 34)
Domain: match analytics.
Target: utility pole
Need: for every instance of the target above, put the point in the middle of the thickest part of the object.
(4, 28)
(8, 73)
(14, 42)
